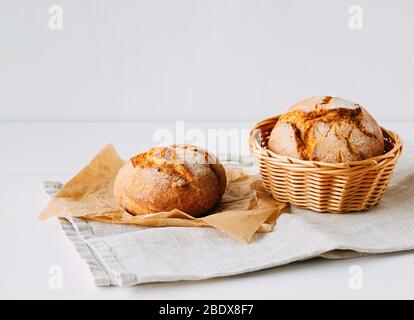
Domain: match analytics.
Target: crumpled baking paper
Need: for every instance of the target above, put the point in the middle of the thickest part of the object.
(245, 209)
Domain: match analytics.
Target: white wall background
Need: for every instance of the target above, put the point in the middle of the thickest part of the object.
(201, 59)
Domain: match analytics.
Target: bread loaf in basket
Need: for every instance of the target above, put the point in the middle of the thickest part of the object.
(326, 163)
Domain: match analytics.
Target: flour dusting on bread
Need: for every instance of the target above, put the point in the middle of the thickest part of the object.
(328, 129)
(181, 177)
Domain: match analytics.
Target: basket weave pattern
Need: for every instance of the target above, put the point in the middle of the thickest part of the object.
(321, 186)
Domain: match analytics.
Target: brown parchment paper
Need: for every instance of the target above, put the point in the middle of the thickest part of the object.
(245, 209)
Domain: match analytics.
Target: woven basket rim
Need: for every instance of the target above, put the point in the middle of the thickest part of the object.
(255, 145)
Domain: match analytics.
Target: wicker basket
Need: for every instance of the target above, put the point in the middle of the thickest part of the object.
(321, 186)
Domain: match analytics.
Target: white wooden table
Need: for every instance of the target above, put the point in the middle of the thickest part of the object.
(35, 151)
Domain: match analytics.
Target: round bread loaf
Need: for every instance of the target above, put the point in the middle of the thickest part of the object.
(181, 177)
(328, 129)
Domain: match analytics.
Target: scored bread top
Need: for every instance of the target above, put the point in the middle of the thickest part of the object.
(181, 160)
(327, 129)
(180, 177)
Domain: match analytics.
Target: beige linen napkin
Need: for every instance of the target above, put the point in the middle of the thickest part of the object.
(125, 255)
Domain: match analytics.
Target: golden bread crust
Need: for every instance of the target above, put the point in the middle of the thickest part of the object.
(327, 129)
(180, 177)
